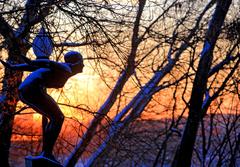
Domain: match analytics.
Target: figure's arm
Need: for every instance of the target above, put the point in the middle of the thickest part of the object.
(20, 67)
(45, 63)
(24, 67)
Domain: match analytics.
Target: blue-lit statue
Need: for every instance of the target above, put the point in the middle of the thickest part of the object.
(32, 91)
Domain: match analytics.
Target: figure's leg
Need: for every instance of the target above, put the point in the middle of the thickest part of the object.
(45, 105)
(54, 125)
(44, 122)
(44, 127)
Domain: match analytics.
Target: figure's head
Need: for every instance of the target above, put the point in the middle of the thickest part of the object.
(76, 59)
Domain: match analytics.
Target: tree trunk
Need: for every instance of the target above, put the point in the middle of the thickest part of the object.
(183, 154)
(8, 99)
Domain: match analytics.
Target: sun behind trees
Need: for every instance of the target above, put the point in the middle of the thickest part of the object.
(151, 57)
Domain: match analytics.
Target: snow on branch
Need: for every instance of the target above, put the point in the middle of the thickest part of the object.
(220, 65)
(77, 44)
(105, 108)
(206, 48)
(32, 16)
(208, 99)
(139, 102)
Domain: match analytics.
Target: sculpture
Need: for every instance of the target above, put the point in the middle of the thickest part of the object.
(32, 91)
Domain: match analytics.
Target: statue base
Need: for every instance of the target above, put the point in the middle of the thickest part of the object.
(40, 161)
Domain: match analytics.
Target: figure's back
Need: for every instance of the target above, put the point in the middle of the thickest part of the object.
(45, 77)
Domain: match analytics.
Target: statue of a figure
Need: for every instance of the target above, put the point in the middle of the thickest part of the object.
(32, 91)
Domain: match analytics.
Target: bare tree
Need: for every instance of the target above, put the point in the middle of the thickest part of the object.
(148, 55)
(184, 153)
(14, 41)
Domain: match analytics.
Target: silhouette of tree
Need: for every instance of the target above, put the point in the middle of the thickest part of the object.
(155, 57)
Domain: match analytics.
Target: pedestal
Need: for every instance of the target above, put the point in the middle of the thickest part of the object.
(40, 161)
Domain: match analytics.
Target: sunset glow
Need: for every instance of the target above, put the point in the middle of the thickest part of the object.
(120, 83)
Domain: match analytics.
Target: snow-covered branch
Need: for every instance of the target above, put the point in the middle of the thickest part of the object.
(77, 44)
(136, 106)
(208, 99)
(35, 12)
(105, 108)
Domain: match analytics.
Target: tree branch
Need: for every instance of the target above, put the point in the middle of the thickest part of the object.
(6, 30)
